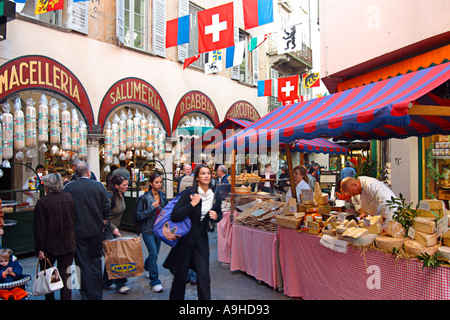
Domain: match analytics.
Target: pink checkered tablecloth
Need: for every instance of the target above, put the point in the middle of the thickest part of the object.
(313, 272)
(224, 234)
(254, 252)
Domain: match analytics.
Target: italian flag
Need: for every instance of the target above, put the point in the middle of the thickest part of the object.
(257, 41)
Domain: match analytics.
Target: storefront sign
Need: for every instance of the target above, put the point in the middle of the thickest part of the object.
(195, 101)
(243, 110)
(38, 72)
(134, 90)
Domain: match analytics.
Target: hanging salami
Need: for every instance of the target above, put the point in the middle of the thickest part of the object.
(55, 128)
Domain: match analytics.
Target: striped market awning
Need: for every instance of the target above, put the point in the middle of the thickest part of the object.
(399, 107)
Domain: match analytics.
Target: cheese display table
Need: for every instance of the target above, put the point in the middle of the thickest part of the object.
(255, 252)
(314, 272)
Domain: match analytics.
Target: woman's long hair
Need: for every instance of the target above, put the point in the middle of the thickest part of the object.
(116, 179)
(196, 174)
(303, 171)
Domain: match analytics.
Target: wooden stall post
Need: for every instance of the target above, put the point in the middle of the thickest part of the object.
(287, 148)
(233, 181)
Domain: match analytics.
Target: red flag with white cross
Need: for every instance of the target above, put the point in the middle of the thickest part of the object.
(216, 28)
(288, 88)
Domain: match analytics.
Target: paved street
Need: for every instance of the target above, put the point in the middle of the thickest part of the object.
(225, 285)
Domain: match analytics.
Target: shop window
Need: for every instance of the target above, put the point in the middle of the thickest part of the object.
(135, 24)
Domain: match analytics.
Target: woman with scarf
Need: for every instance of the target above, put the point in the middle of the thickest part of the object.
(202, 206)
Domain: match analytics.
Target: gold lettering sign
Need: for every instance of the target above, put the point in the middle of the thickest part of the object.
(135, 91)
(243, 110)
(39, 73)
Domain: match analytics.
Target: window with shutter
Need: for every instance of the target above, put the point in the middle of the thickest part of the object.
(159, 27)
(193, 35)
(120, 21)
(235, 69)
(135, 23)
(78, 16)
(183, 10)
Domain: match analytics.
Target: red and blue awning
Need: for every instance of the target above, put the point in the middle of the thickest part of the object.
(227, 128)
(376, 111)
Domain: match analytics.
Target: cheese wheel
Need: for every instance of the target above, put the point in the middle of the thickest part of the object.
(415, 248)
(30, 126)
(55, 126)
(43, 123)
(8, 136)
(19, 126)
(66, 142)
(445, 253)
(389, 243)
(365, 240)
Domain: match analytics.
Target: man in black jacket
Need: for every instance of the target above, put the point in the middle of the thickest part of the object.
(92, 208)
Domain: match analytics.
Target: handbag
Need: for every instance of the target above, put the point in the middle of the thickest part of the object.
(46, 281)
(168, 231)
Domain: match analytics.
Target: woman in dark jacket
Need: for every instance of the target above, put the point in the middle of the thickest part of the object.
(54, 230)
(202, 206)
(146, 214)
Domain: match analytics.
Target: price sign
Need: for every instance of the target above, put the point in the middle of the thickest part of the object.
(334, 244)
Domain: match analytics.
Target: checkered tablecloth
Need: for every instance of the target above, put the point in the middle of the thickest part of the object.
(254, 252)
(313, 272)
(224, 235)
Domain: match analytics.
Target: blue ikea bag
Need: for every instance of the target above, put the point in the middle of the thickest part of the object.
(168, 231)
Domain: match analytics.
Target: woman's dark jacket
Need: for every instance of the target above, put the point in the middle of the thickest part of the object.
(148, 214)
(197, 236)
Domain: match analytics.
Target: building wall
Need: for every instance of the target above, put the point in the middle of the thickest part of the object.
(354, 32)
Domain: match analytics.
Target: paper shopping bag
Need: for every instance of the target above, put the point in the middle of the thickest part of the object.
(123, 257)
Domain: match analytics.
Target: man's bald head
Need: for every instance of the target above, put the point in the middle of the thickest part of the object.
(351, 186)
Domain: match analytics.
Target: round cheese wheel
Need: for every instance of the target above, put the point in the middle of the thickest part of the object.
(415, 248)
(445, 253)
(389, 243)
(361, 241)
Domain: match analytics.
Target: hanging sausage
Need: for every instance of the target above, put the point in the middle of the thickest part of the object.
(143, 132)
(8, 136)
(19, 126)
(66, 143)
(137, 130)
(129, 130)
(115, 136)
(43, 122)
(108, 144)
(82, 154)
(55, 129)
(123, 132)
(30, 124)
(150, 141)
(75, 127)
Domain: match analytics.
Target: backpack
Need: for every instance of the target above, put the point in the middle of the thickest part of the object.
(137, 223)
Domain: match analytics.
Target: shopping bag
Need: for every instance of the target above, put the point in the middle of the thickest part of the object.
(123, 257)
(168, 231)
(46, 281)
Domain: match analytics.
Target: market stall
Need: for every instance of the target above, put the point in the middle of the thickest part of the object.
(382, 110)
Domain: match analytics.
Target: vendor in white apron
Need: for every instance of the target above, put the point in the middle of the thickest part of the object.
(369, 196)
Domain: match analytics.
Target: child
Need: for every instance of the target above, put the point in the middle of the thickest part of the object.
(10, 271)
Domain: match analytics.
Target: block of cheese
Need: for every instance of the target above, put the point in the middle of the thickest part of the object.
(415, 248)
(434, 204)
(351, 223)
(389, 243)
(331, 232)
(445, 253)
(364, 240)
(424, 225)
(340, 229)
(425, 239)
(429, 214)
(288, 221)
(446, 239)
(355, 232)
(374, 228)
(374, 220)
(395, 229)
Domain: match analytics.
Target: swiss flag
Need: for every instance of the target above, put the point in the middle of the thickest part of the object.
(288, 88)
(216, 28)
